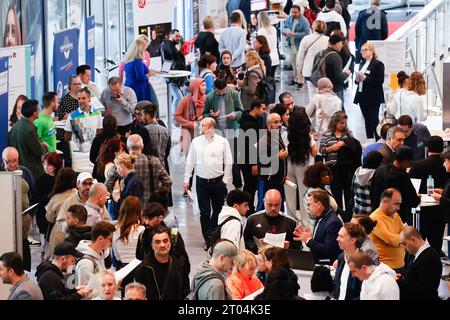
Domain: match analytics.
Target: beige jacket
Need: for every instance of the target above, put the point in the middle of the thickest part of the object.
(53, 209)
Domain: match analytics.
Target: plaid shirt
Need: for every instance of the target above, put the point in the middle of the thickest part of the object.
(150, 171)
(362, 199)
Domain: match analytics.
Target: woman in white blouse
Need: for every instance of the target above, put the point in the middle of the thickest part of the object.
(310, 46)
(127, 232)
(265, 28)
(411, 102)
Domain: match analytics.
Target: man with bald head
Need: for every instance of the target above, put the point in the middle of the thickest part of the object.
(270, 220)
(10, 157)
(272, 156)
(95, 205)
(210, 158)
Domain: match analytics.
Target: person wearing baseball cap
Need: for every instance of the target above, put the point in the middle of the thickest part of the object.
(209, 282)
(50, 275)
(60, 230)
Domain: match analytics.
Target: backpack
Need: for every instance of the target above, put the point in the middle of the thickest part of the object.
(318, 70)
(100, 163)
(266, 88)
(215, 234)
(193, 295)
(90, 258)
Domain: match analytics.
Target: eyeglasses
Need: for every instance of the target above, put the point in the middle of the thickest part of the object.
(86, 184)
(109, 238)
(366, 49)
(11, 161)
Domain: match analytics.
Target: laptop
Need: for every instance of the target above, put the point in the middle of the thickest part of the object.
(301, 260)
(166, 66)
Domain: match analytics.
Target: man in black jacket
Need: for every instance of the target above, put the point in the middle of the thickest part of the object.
(270, 221)
(395, 176)
(160, 271)
(247, 153)
(432, 223)
(422, 277)
(50, 275)
(76, 222)
(333, 65)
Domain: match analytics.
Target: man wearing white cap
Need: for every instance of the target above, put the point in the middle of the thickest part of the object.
(59, 231)
(209, 282)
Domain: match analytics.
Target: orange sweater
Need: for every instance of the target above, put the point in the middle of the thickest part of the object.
(386, 237)
(241, 286)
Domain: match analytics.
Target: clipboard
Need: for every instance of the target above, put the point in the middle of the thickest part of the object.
(30, 208)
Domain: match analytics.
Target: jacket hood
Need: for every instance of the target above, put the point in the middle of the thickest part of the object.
(47, 266)
(247, 117)
(84, 248)
(204, 271)
(380, 270)
(363, 176)
(228, 212)
(81, 232)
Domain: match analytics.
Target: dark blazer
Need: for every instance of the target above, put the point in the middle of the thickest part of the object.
(387, 153)
(324, 245)
(132, 187)
(422, 278)
(372, 88)
(353, 283)
(433, 166)
(364, 31)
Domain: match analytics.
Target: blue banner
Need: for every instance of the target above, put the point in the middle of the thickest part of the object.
(65, 58)
(90, 44)
(4, 81)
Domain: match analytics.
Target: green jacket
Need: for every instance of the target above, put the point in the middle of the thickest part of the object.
(233, 103)
(26, 140)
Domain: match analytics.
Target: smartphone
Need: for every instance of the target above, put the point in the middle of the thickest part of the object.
(241, 76)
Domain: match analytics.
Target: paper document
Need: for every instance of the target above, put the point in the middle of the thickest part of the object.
(447, 238)
(416, 183)
(347, 66)
(254, 294)
(427, 199)
(30, 208)
(122, 273)
(276, 240)
(224, 116)
(258, 242)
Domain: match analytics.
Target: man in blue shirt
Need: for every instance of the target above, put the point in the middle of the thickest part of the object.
(234, 39)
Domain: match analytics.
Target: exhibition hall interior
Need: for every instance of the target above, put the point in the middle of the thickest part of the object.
(225, 150)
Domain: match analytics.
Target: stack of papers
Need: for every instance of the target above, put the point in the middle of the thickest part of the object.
(427, 199)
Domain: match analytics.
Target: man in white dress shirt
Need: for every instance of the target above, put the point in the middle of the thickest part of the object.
(210, 157)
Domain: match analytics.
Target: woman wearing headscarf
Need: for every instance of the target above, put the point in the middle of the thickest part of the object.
(189, 112)
(323, 105)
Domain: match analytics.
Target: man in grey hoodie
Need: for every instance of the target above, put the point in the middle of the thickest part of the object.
(94, 252)
(231, 218)
(209, 282)
(362, 181)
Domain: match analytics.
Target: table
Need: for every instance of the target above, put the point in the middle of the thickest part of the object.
(173, 74)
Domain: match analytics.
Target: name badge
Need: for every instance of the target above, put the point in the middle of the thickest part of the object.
(367, 72)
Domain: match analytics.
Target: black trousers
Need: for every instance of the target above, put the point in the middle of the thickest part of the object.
(370, 113)
(210, 195)
(342, 183)
(250, 186)
(432, 226)
(122, 130)
(26, 257)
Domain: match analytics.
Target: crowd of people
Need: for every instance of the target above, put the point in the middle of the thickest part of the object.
(261, 167)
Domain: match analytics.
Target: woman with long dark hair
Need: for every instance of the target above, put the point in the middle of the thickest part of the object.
(65, 186)
(301, 146)
(261, 46)
(44, 185)
(224, 70)
(108, 132)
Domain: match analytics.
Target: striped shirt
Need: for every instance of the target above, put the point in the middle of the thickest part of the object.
(327, 140)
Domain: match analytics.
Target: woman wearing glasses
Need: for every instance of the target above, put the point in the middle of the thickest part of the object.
(369, 93)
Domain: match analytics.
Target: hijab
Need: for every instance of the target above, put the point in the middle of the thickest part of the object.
(324, 85)
(197, 97)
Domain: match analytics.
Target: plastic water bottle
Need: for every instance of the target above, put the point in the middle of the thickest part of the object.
(430, 185)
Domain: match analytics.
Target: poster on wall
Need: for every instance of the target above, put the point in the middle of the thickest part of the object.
(155, 20)
(90, 44)
(19, 66)
(65, 58)
(3, 102)
(11, 30)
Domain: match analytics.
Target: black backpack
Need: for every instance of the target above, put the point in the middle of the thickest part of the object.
(266, 88)
(215, 234)
(318, 70)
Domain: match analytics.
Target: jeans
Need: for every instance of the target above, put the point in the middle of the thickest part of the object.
(177, 95)
(209, 195)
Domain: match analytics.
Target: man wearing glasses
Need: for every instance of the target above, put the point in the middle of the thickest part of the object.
(94, 253)
(60, 230)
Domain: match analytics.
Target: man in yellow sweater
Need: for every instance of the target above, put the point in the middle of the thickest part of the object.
(386, 234)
